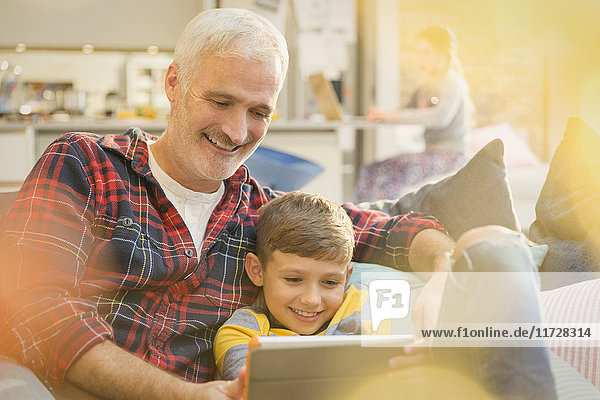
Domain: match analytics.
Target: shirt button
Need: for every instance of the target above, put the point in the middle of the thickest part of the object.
(127, 221)
(189, 253)
(164, 208)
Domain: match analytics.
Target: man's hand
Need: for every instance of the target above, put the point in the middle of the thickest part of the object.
(426, 308)
(215, 390)
(429, 256)
(416, 353)
(425, 315)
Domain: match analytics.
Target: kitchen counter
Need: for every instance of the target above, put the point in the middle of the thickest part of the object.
(84, 124)
(336, 145)
(326, 143)
(91, 125)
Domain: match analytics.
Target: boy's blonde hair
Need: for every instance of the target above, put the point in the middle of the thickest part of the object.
(306, 224)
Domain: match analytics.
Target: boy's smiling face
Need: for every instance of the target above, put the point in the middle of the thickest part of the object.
(301, 293)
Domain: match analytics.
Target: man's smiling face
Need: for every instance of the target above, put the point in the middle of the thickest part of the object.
(219, 122)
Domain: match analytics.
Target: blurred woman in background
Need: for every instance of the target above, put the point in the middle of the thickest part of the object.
(442, 105)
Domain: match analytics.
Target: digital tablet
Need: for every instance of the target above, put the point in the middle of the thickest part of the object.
(317, 367)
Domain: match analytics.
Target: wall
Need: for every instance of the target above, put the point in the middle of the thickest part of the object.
(573, 66)
(109, 24)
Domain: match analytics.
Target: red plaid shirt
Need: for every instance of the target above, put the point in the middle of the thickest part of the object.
(93, 250)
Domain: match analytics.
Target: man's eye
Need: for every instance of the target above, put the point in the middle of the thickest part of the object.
(220, 103)
(260, 114)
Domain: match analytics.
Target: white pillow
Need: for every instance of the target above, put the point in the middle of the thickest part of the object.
(577, 303)
(516, 151)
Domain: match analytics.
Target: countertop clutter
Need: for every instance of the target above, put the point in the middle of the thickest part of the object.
(45, 85)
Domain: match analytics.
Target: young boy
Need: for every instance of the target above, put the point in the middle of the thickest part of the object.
(303, 251)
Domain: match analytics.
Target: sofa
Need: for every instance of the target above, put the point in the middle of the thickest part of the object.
(563, 226)
(565, 235)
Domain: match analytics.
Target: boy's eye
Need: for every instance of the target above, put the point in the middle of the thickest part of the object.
(292, 280)
(331, 283)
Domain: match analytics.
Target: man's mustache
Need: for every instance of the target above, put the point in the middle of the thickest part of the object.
(219, 135)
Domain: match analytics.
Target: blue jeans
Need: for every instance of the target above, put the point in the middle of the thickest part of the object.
(472, 297)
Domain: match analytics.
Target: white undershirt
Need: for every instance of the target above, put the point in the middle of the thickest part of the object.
(194, 207)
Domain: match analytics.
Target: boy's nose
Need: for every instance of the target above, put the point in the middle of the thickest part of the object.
(311, 297)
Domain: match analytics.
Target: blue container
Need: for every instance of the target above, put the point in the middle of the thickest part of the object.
(281, 171)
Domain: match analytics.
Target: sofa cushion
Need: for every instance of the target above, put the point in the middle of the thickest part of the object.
(478, 194)
(570, 385)
(568, 209)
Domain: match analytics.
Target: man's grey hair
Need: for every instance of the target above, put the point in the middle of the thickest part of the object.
(228, 32)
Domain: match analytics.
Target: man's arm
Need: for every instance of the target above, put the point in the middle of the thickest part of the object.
(107, 371)
(385, 240)
(411, 241)
(44, 249)
(430, 251)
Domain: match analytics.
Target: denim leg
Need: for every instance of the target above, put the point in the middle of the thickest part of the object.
(509, 297)
(18, 383)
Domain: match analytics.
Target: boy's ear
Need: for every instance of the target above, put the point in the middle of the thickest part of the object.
(349, 272)
(254, 269)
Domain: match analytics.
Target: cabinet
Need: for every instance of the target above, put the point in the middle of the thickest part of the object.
(17, 154)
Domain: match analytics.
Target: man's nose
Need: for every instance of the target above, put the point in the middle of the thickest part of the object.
(236, 127)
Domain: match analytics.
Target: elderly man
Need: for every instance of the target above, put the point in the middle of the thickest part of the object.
(124, 254)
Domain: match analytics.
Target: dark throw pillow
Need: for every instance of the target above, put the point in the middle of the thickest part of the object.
(478, 194)
(568, 209)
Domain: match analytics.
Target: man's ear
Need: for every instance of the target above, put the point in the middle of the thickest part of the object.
(172, 82)
(254, 269)
(349, 272)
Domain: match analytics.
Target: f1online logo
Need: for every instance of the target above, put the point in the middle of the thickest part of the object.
(389, 298)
